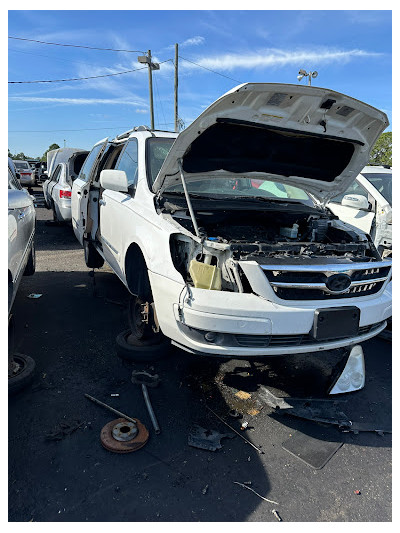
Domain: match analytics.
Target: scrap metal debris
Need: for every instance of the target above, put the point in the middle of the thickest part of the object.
(325, 410)
(237, 432)
(206, 439)
(122, 436)
(252, 490)
(276, 514)
(63, 429)
(110, 408)
(145, 379)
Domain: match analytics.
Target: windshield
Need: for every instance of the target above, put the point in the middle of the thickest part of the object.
(242, 188)
(157, 149)
(381, 182)
(21, 165)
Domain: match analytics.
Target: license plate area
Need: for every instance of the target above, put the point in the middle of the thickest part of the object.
(336, 323)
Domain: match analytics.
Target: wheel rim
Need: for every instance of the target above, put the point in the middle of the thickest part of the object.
(16, 366)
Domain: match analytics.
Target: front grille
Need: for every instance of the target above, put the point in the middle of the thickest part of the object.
(264, 341)
(309, 282)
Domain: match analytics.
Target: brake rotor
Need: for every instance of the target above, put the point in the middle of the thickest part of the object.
(123, 429)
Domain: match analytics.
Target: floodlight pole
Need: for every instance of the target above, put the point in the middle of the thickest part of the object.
(151, 66)
(176, 89)
(151, 90)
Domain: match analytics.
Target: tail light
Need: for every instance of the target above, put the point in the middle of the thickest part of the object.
(65, 194)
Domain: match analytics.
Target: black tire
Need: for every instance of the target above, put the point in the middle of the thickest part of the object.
(141, 351)
(24, 375)
(31, 264)
(55, 217)
(92, 257)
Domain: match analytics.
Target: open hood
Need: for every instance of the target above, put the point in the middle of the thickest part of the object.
(313, 138)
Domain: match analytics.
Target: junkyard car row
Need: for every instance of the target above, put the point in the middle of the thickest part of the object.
(222, 234)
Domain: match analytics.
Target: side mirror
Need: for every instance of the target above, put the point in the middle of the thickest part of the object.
(18, 199)
(357, 201)
(114, 180)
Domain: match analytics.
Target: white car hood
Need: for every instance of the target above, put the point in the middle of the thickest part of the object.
(313, 138)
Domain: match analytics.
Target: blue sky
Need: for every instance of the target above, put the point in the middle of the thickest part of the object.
(351, 50)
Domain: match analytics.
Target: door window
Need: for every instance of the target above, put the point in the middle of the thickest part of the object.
(355, 188)
(56, 174)
(84, 174)
(128, 162)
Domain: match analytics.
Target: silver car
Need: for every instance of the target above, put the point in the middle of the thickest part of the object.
(57, 188)
(21, 230)
(24, 170)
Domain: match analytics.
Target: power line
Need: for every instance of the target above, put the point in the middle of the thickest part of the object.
(56, 58)
(214, 71)
(87, 77)
(76, 45)
(84, 129)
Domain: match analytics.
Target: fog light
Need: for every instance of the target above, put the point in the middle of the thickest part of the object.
(211, 336)
(353, 376)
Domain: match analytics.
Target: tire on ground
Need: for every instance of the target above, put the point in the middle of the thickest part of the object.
(140, 351)
(92, 257)
(25, 375)
(31, 264)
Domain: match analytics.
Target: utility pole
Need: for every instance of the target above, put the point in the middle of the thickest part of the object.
(176, 89)
(151, 66)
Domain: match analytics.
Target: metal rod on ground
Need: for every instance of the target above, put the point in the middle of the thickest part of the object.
(150, 409)
(233, 429)
(122, 415)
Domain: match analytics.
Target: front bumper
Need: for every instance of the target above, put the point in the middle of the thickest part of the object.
(238, 314)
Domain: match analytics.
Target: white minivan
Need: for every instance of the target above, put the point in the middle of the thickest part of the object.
(221, 233)
(367, 204)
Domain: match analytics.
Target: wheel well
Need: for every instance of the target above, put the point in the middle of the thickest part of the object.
(137, 277)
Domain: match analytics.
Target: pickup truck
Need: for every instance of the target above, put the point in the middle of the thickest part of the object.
(219, 264)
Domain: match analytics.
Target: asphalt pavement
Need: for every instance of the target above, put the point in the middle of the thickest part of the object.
(59, 471)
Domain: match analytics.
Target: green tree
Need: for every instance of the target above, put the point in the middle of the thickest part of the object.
(51, 147)
(381, 153)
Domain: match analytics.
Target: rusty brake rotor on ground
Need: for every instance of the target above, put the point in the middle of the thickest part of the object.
(123, 436)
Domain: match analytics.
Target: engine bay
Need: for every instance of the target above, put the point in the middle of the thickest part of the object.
(279, 231)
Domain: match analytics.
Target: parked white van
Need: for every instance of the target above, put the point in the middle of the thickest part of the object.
(221, 233)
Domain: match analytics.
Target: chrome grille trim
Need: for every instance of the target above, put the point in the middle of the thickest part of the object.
(346, 268)
(297, 281)
(323, 287)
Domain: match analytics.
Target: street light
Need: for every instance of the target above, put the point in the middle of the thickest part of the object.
(303, 73)
(152, 66)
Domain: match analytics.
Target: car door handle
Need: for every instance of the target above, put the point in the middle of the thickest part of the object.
(102, 202)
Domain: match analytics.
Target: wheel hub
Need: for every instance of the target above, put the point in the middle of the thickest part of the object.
(131, 437)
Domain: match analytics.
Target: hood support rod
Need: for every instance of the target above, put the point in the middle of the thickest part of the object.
(188, 201)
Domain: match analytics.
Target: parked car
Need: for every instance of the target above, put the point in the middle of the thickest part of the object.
(367, 204)
(21, 230)
(25, 172)
(57, 188)
(220, 265)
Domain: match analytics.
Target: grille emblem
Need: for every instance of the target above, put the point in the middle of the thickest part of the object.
(338, 283)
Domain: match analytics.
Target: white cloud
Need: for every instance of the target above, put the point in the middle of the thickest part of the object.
(193, 41)
(140, 110)
(79, 101)
(273, 57)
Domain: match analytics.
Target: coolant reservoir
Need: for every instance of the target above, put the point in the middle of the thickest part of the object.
(205, 276)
